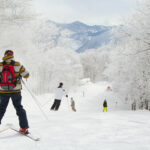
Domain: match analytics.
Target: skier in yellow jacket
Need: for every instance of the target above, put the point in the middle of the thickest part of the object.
(11, 72)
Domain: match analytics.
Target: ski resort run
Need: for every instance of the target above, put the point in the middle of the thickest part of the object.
(89, 128)
(75, 75)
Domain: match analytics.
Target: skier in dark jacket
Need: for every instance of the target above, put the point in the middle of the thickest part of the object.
(10, 87)
(105, 105)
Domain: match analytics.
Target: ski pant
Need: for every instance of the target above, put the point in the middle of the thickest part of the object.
(56, 104)
(105, 108)
(16, 100)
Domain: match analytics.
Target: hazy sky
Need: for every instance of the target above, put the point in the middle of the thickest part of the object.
(106, 12)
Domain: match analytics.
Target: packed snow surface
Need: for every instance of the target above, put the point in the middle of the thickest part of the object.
(87, 129)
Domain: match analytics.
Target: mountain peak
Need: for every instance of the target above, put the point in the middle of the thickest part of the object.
(78, 23)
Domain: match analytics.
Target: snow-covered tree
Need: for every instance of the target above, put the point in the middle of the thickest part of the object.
(54, 66)
(129, 69)
(14, 15)
(14, 11)
(94, 63)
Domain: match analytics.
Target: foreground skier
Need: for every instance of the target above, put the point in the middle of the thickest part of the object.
(10, 87)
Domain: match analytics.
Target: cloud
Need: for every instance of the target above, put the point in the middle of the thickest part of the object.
(88, 11)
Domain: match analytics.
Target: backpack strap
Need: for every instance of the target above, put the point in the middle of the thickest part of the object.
(4, 63)
(12, 62)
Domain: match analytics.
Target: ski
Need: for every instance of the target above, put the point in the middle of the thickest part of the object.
(1, 131)
(27, 135)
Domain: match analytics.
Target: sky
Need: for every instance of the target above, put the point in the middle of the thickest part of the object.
(92, 12)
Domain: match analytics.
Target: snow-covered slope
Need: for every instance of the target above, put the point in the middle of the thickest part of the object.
(88, 128)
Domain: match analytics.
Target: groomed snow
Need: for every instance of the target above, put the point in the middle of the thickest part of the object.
(87, 129)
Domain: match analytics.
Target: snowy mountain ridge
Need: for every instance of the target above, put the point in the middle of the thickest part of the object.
(80, 37)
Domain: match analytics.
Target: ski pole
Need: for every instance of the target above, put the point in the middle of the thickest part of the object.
(68, 103)
(35, 100)
(45, 103)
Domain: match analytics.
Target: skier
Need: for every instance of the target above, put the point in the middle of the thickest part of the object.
(73, 104)
(109, 88)
(11, 72)
(134, 105)
(58, 97)
(105, 105)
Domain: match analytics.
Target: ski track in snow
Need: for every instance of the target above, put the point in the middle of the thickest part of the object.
(88, 128)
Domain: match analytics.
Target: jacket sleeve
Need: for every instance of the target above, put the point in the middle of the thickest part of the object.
(23, 72)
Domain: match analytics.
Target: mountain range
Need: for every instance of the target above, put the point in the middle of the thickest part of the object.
(81, 35)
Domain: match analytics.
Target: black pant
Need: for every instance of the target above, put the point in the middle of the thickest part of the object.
(16, 99)
(56, 104)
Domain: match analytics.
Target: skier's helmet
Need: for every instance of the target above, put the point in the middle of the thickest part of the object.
(60, 84)
(8, 53)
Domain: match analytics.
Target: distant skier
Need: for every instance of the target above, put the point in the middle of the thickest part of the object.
(58, 97)
(105, 105)
(109, 88)
(73, 104)
(11, 72)
(134, 105)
